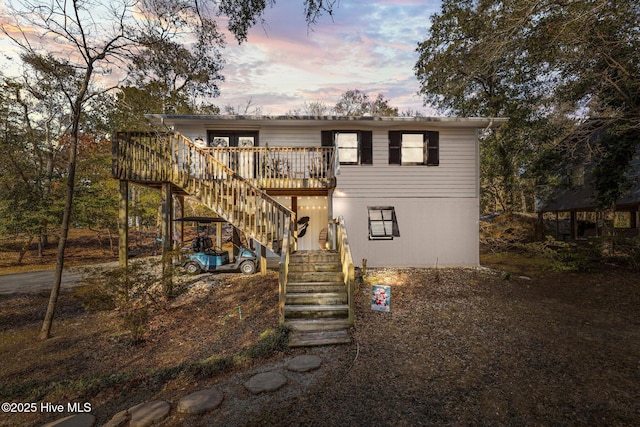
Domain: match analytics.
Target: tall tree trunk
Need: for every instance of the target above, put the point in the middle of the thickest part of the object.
(110, 240)
(24, 249)
(45, 332)
(43, 240)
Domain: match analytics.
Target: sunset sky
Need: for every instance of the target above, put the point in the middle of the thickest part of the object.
(366, 45)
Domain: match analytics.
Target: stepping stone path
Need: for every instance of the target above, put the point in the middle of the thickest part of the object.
(200, 401)
(78, 420)
(265, 382)
(304, 363)
(142, 415)
(150, 413)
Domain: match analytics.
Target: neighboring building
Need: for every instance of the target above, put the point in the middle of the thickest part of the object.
(576, 194)
(408, 188)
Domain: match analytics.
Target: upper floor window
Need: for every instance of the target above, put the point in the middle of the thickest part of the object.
(352, 147)
(348, 144)
(414, 148)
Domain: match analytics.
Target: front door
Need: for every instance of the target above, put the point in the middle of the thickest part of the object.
(241, 161)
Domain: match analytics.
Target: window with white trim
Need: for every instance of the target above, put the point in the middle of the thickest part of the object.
(347, 144)
(353, 147)
(414, 148)
(383, 224)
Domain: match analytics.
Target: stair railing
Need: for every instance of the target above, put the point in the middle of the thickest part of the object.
(348, 269)
(284, 274)
(171, 157)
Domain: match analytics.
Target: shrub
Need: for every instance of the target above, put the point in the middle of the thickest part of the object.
(506, 231)
(271, 341)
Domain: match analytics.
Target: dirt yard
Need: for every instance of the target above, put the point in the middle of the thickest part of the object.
(459, 347)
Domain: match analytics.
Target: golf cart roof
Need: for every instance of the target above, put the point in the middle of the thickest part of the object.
(200, 219)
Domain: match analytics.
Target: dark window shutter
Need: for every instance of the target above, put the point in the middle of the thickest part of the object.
(366, 148)
(433, 148)
(327, 138)
(395, 143)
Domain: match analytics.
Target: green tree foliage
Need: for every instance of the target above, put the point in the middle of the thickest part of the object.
(538, 63)
(32, 156)
(176, 75)
(354, 102)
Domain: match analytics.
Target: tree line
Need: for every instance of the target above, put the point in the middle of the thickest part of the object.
(547, 65)
(550, 66)
(73, 46)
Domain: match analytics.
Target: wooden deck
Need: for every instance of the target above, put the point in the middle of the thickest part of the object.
(142, 157)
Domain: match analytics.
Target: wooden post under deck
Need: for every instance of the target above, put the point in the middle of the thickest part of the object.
(294, 209)
(263, 260)
(181, 201)
(167, 236)
(123, 224)
(218, 234)
(167, 216)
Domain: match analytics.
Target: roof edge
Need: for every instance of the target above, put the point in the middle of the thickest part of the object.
(479, 121)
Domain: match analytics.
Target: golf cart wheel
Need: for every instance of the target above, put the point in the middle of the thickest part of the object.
(248, 267)
(192, 268)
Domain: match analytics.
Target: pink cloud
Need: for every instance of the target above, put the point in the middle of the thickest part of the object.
(370, 46)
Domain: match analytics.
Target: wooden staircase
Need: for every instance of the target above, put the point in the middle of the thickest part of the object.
(316, 301)
(315, 287)
(171, 157)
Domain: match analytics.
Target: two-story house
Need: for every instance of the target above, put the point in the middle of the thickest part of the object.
(407, 188)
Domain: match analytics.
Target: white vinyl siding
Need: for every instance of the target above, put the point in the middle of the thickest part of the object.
(442, 232)
(456, 175)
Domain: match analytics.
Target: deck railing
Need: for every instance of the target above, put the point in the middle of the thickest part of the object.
(348, 269)
(280, 167)
(170, 157)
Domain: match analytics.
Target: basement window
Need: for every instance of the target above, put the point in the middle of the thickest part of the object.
(383, 224)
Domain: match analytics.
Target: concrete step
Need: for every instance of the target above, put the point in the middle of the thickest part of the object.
(316, 311)
(315, 287)
(316, 298)
(315, 276)
(317, 324)
(315, 338)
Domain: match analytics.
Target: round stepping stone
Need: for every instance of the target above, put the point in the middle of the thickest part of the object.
(147, 414)
(78, 420)
(121, 419)
(200, 401)
(265, 382)
(304, 363)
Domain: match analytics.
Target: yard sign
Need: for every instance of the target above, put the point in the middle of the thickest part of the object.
(381, 298)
